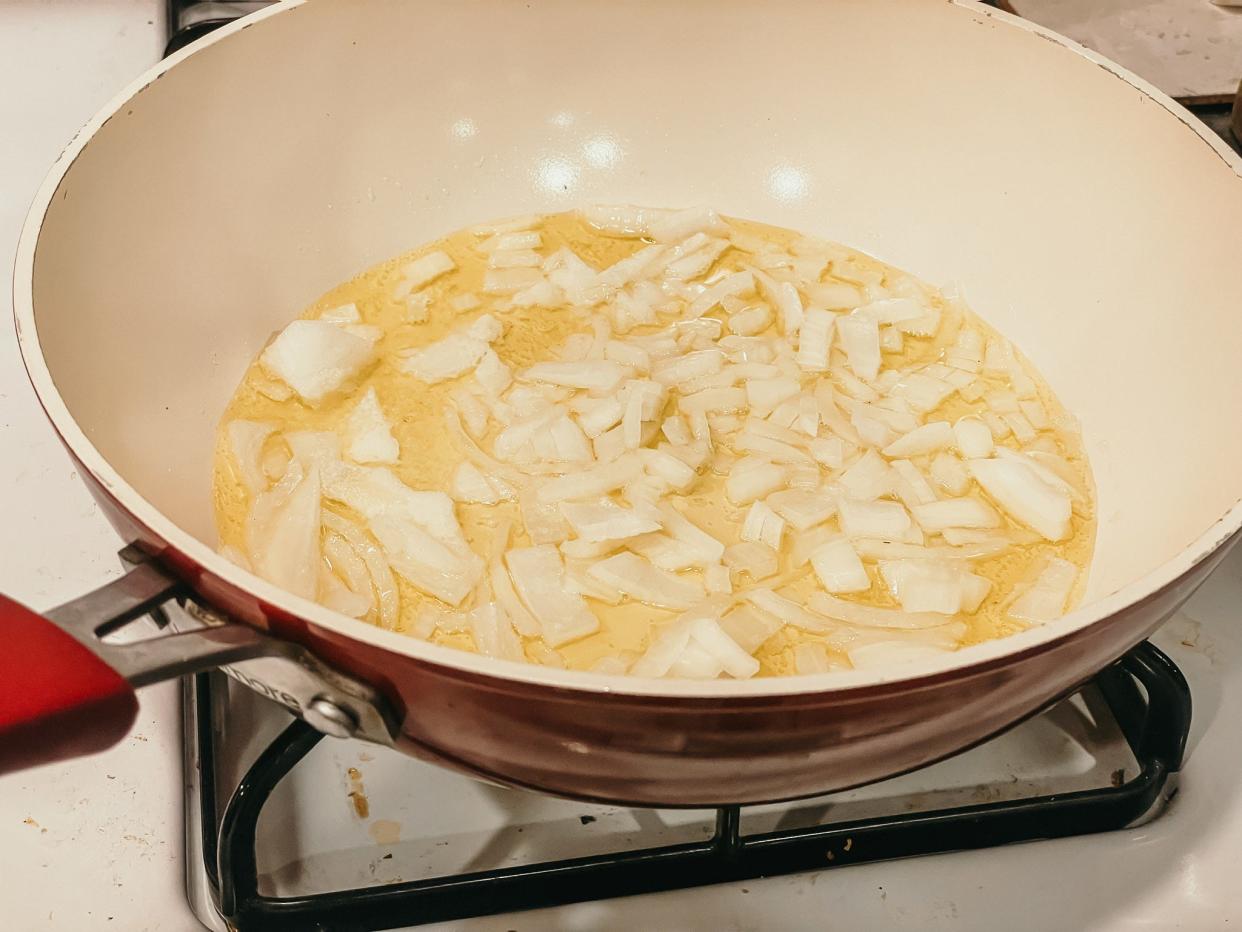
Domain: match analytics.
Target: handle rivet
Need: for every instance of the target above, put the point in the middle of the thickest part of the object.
(331, 718)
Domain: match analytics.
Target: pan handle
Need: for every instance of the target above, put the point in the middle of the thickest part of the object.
(67, 690)
(57, 699)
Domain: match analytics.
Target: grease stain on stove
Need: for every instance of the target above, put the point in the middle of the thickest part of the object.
(358, 794)
(385, 832)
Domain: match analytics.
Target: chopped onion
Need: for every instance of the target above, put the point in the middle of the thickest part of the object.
(606, 521)
(910, 485)
(812, 657)
(787, 611)
(753, 478)
(426, 269)
(493, 633)
(803, 509)
(929, 438)
(1020, 491)
(749, 558)
(868, 616)
(676, 371)
(732, 658)
(948, 472)
(925, 585)
(543, 520)
(664, 651)
(596, 376)
(815, 339)
(527, 239)
(868, 478)
(735, 284)
(246, 440)
(446, 358)
(315, 358)
(470, 485)
(860, 338)
(706, 548)
(638, 579)
(538, 575)
(973, 438)
(492, 375)
(382, 580)
(284, 533)
(368, 435)
(956, 512)
(749, 628)
(838, 568)
(716, 579)
(1045, 599)
(763, 525)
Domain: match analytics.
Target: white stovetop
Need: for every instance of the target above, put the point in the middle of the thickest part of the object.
(97, 844)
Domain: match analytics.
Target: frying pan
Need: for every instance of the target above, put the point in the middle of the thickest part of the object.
(1085, 214)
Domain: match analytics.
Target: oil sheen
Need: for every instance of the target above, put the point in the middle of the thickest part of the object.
(428, 456)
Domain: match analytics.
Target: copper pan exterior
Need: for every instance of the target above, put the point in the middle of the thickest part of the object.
(1078, 209)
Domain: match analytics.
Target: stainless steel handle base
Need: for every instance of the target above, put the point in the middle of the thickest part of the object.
(194, 637)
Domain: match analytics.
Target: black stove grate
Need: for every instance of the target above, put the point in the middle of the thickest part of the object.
(1145, 692)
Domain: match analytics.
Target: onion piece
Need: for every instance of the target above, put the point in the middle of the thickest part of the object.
(815, 339)
(868, 478)
(973, 438)
(925, 585)
(426, 269)
(606, 521)
(758, 561)
(596, 376)
(538, 574)
(716, 579)
(368, 434)
(590, 483)
(543, 520)
(868, 616)
(763, 525)
(675, 371)
(752, 478)
(785, 298)
(737, 283)
(838, 568)
(787, 611)
(1045, 599)
(638, 579)
(1018, 488)
(493, 633)
(283, 537)
(470, 485)
(385, 586)
(708, 633)
(948, 472)
(929, 438)
(315, 358)
(663, 652)
(860, 338)
(749, 628)
(246, 440)
(803, 509)
(707, 549)
(446, 358)
(956, 512)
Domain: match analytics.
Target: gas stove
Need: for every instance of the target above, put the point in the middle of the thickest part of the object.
(286, 831)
